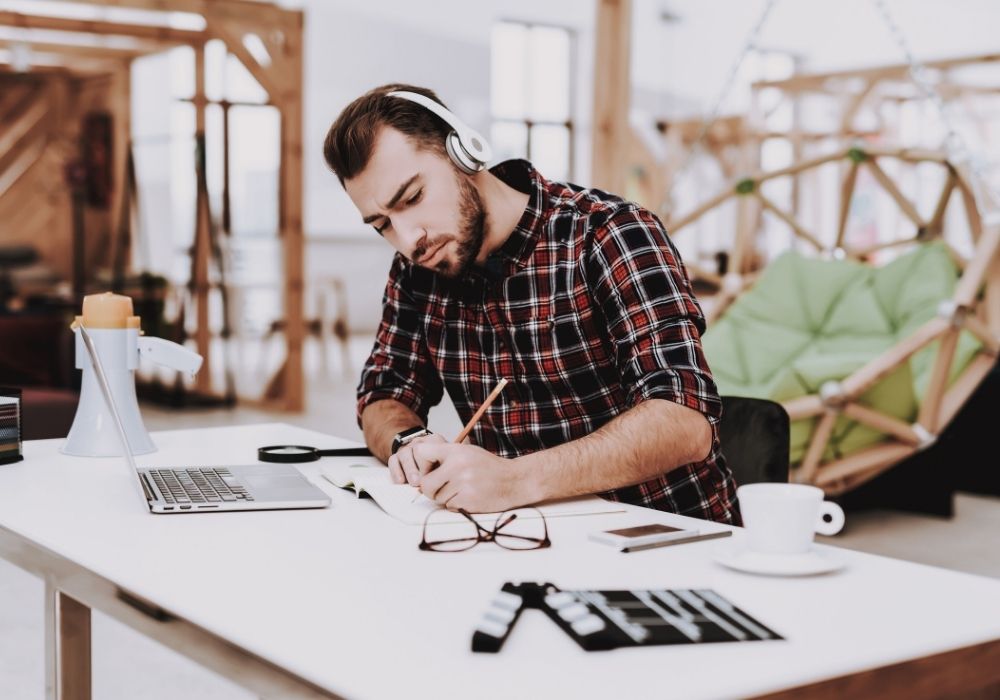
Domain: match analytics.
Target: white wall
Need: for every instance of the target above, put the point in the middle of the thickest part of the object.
(691, 57)
(445, 45)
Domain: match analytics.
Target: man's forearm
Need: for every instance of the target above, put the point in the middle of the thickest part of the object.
(380, 422)
(644, 442)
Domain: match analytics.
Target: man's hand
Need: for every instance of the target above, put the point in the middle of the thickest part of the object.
(403, 468)
(469, 477)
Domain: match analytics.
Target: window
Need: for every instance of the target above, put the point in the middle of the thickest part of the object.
(531, 96)
(242, 190)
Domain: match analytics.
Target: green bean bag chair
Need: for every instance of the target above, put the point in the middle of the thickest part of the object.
(808, 321)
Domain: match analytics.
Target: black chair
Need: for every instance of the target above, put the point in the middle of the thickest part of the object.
(754, 436)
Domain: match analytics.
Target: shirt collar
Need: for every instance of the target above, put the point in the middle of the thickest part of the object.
(517, 249)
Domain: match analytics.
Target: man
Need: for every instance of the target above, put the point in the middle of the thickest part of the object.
(575, 296)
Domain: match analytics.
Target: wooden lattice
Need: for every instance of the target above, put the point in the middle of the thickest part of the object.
(974, 307)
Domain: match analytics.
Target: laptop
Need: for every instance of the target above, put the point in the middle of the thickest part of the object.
(209, 489)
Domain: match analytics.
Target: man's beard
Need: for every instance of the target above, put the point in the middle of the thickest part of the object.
(472, 233)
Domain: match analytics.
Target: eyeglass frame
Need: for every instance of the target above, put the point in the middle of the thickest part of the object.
(485, 535)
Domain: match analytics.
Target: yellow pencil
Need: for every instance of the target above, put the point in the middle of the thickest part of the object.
(479, 414)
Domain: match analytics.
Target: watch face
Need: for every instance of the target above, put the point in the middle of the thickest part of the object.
(407, 435)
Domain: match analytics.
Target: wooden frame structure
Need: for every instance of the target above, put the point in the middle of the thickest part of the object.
(108, 47)
(857, 88)
(974, 307)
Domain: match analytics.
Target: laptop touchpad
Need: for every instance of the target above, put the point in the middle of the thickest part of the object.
(290, 481)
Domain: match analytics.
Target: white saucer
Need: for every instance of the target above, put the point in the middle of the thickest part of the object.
(810, 563)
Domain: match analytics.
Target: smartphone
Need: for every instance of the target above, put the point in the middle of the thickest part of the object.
(641, 535)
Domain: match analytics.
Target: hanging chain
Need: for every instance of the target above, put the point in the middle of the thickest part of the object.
(713, 113)
(986, 196)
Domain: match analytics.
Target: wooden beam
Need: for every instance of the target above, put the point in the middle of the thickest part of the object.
(868, 462)
(971, 209)
(61, 65)
(846, 192)
(201, 284)
(804, 407)
(979, 329)
(975, 274)
(863, 253)
(883, 423)
(84, 50)
(795, 168)
(13, 167)
(675, 225)
(891, 72)
(234, 44)
(611, 93)
(889, 186)
(161, 34)
(854, 106)
(232, 8)
(962, 388)
(910, 155)
(936, 222)
(292, 234)
(817, 446)
(796, 227)
(22, 125)
(859, 382)
(14, 95)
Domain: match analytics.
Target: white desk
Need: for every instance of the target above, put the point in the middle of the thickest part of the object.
(340, 602)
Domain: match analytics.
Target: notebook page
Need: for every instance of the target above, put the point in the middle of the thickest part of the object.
(407, 504)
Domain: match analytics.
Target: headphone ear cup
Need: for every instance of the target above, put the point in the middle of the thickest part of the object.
(460, 157)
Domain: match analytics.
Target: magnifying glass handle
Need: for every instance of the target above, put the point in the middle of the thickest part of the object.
(346, 452)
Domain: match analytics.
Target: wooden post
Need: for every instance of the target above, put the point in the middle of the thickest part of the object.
(200, 285)
(846, 192)
(930, 407)
(936, 221)
(611, 93)
(291, 214)
(817, 446)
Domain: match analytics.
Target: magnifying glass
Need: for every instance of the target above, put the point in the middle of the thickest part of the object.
(290, 454)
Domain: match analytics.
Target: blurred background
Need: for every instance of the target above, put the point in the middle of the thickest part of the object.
(171, 151)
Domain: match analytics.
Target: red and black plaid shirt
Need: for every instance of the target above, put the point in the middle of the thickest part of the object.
(586, 309)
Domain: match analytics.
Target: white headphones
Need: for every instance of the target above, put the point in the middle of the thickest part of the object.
(468, 150)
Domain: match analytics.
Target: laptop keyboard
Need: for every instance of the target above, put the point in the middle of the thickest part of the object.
(202, 485)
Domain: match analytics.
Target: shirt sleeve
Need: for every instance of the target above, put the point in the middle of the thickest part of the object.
(399, 366)
(653, 320)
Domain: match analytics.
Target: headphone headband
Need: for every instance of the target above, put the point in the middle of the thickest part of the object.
(466, 147)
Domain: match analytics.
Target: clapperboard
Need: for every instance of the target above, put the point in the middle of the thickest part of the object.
(600, 620)
(10, 426)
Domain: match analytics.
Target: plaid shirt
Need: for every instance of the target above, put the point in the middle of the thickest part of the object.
(586, 309)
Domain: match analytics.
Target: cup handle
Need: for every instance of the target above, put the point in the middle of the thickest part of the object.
(836, 523)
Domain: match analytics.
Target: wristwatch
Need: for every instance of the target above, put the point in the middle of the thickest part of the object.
(407, 436)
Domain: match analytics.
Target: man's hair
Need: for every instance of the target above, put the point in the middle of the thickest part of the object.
(351, 139)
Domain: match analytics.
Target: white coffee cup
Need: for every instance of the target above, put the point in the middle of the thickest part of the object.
(783, 518)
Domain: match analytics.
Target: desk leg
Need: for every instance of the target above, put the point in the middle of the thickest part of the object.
(67, 647)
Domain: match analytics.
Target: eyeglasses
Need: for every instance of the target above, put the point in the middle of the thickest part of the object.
(451, 531)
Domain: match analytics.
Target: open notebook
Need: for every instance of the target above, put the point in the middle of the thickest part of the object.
(406, 503)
